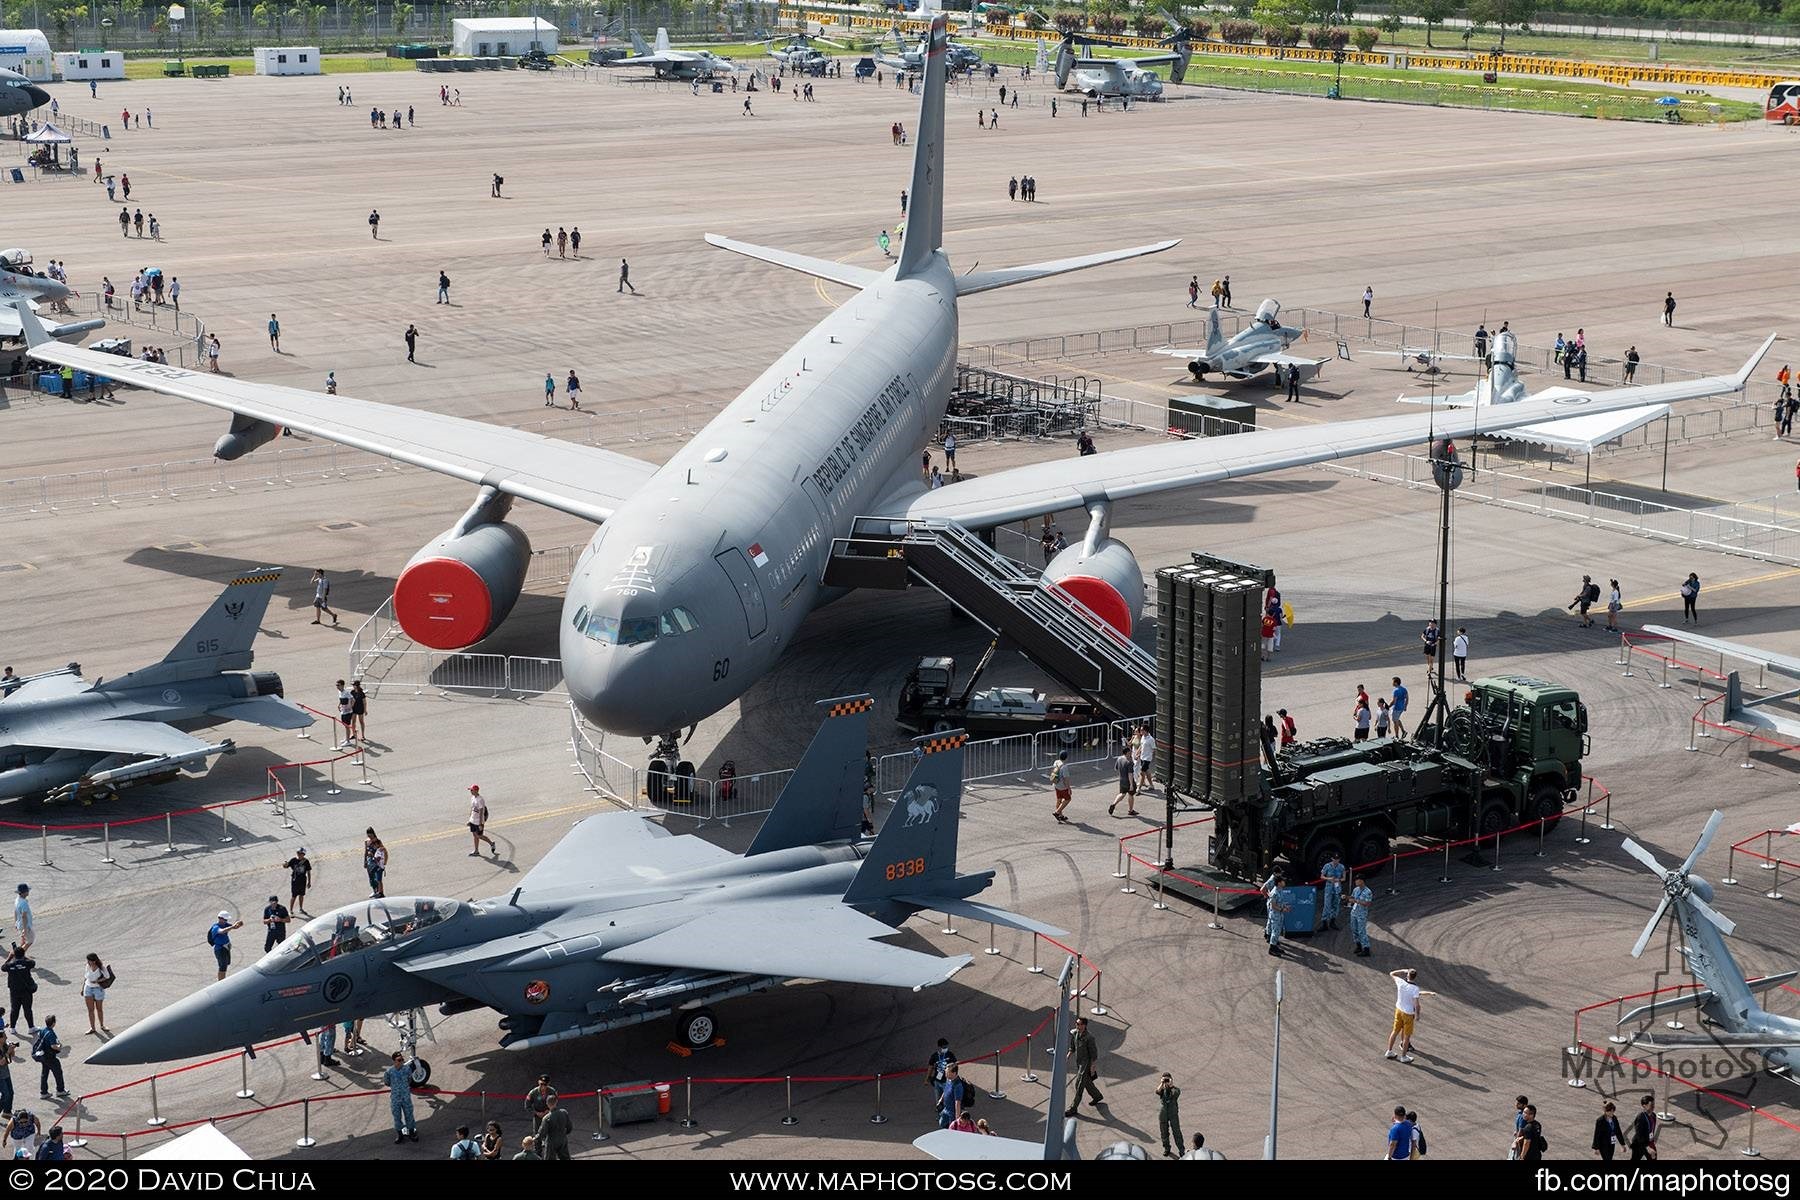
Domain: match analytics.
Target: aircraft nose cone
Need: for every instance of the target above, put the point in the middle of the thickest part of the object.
(200, 1024)
(626, 690)
(39, 96)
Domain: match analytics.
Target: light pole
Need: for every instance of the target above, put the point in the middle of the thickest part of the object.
(1337, 53)
(178, 14)
(1274, 1078)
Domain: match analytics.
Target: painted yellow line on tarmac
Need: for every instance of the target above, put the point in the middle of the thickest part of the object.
(1408, 647)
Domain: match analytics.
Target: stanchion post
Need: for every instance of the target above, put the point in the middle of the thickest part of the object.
(76, 1142)
(1394, 875)
(1663, 1114)
(688, 1122)
(1774, 892)
(1665, 679)
(1029, 1076)
(1606, 817)
(1445, 877)
(991, 948)
(1159, 906)
(600, 1115)
(318, 1075)
(1496, 850)
(1575, 1080)
(790, 1118)
(1099, 1009)
(333, 789)
(299, 781)
(878, 1119)
(1034, 968)
(362, 762)
(169, 830)
(1768, 863)
(1730, 876)
(156, 1120)
(306, 1138)
(224, 824)
(106, 843)
(285, 823)
(1615, 1037)
(1123, 870)
(1214, 923)
(996, 1094)
(1624, 659)
(1581, 838)
(1128, 889)
(44, 843)
(246, 1092)
(1751, 1151)
(1540, 849)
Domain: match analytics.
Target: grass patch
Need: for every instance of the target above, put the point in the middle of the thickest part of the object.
(344, 64)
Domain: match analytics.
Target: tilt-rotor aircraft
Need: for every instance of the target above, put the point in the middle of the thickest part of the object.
(704, 568)
(622, 923)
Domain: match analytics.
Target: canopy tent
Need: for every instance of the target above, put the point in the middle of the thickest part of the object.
(202, 1143)
(48, 135)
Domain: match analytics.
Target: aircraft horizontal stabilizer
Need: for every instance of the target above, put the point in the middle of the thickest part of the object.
(271, 711)
(987, 281)
(1716, 1039)
(820, 939)
(973, 910)
(834, 272)
(1701, 998)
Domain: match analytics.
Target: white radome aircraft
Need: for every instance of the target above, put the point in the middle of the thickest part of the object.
(1581, 435)
(1259, 346)
(703, 569)
(670, 63)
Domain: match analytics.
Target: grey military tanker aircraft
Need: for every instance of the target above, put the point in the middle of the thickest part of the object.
(63, 737)
(704, 568)
(622, 923)
(1727, 999)
(18, 94)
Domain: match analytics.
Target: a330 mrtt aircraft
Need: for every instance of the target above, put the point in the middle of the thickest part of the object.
(703, 569)
(620, 923)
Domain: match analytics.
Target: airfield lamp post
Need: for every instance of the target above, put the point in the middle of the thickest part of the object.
(1274, 1079)
(177, 14)
(1448, 473)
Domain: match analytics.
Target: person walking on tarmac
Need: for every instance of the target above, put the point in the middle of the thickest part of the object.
(1084, 1055)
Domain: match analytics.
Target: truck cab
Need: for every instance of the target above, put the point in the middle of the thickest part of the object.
(1535, 732)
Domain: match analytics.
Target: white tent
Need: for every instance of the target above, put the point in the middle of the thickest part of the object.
(26, 51)
(48, 135)
(202, 1143)
(501, 37)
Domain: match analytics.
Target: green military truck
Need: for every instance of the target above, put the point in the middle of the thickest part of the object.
(1511, 753)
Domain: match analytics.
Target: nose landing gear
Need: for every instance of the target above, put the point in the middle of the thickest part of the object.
(670, 777)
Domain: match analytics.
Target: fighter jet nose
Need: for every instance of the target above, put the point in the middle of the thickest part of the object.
(185, 1029)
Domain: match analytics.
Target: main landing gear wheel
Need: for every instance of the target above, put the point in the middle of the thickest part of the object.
(696, 1029)
(420, 1072)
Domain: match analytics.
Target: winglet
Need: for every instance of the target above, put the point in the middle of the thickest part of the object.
(29, 325)
(822, 800)
(1743, 376)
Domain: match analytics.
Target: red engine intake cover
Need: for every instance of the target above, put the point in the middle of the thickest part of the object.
(1100, 597)
(443, 603)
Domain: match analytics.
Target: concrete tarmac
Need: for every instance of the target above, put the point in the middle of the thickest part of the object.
(264, 186)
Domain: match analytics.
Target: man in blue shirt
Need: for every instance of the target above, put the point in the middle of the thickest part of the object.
(950, 1100)
(400, 1100)
(1400, 1135)
(1334, 874)
(219, 938)
(1397, 708)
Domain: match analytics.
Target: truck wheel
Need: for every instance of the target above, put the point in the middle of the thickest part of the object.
(697, 1029)
(1371, 847)
(942, 726)
(1547, 805)
(1496, 815)
(1318, 853)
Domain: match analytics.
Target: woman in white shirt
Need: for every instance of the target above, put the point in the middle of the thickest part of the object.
(93, 994)
(1614, 603)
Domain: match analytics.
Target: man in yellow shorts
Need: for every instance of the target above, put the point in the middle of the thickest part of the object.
(1406, 1012)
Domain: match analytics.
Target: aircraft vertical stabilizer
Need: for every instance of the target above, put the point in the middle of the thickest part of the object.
(822, 801)
(1215, 336)
(221, 639)
(662, 41)
(925, 196)
(637, 45)
(916, 849)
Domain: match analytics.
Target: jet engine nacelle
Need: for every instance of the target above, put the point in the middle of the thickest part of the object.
(245, 435)
(1108, 582)
(458, 588)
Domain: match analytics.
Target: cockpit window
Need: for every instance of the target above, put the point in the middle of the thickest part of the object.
(677, 621)
(633, 631)
(357, 927)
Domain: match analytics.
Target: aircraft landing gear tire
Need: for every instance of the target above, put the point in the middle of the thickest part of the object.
(420, 1072)
(696, 1029)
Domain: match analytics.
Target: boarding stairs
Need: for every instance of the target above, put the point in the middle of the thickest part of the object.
(1056, 632)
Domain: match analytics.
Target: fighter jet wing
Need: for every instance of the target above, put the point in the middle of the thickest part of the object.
(271, 711)
(49, 687)
(813, 938)
(608, 849)
(151, 739)
(1065, 483)
(584, 481)
(1309, 367)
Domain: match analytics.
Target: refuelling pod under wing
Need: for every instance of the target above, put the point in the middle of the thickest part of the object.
(1108, 581)
(458, 588)
(245, 435)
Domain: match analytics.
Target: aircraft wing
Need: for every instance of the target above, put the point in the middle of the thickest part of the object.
(1065, 483)
(584, 481)
(152, 739)
(49, 687)
(609, 849)
(1781, 664)
(11, 327)
(1309, 367)
(801, 938)
(953, 1145)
